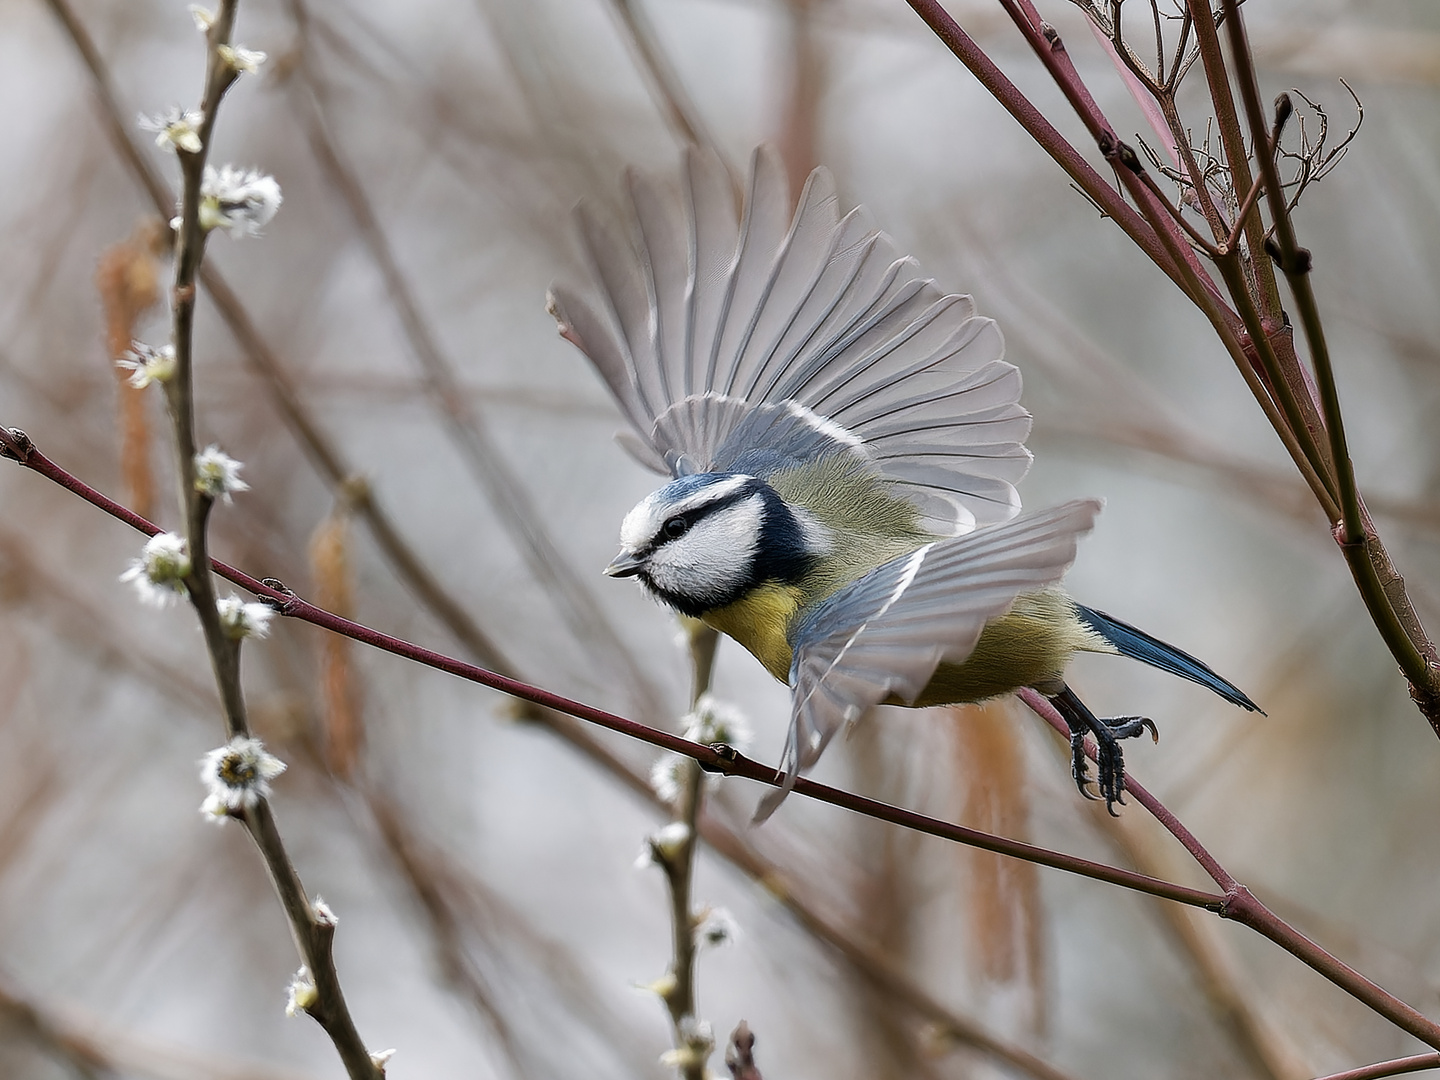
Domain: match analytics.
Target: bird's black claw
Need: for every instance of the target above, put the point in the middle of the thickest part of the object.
(1127, 727)
(1110, 780)
(1079, 765)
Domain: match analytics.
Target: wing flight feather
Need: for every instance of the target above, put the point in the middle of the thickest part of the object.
(697, 319)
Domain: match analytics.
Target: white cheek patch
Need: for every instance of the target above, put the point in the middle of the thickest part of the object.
(714, 559)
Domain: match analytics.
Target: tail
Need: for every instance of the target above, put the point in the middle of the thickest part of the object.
(1138, 645)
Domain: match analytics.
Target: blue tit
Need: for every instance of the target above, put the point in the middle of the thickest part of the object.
(844, 442)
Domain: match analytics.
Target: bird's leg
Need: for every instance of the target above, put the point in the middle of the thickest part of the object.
(1108, 734)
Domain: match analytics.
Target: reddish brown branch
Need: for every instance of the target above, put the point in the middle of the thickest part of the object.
(719, 758)
(1242, 906)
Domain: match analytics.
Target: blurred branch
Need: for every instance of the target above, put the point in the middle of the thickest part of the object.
(668, 91)
(1242, 906)
(80, 1055)
(95, 1051)
(447, 897)
(804, 75)
(469, 432)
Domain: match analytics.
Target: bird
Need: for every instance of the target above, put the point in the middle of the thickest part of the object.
(842, 441)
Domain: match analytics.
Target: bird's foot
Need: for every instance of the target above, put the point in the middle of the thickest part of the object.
(1109, 756)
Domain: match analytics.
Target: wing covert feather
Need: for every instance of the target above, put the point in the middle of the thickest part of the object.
(883, 635)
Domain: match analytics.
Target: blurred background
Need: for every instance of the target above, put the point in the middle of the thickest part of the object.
(383, 356)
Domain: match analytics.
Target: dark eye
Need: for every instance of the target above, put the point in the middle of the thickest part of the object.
(676, 526)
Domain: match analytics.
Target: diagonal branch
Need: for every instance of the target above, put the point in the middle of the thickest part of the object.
(1236, 902)
(869, 962)
(718, 758)
(1379, 583)
(1104, 195)
(1242, 906)
(1418, 1063)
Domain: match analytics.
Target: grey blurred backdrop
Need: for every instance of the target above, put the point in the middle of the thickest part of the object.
(492, 923)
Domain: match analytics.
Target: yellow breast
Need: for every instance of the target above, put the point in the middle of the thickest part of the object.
(761, 622)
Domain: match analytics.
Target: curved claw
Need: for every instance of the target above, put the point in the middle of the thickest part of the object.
(1127, 727)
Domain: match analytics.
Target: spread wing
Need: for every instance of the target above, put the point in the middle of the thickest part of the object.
(883, 635)
(772, 336)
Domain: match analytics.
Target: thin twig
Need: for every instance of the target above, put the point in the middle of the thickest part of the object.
(466, 426)
(1207, 42)
(674, 103)
(1242, 906)
(1418, 1063)
(720, 759)
(1379, 584)
(1044, 133)
(313, 936)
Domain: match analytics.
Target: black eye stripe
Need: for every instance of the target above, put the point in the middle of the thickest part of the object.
(698, 513)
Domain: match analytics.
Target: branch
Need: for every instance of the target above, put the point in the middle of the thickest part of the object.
(665, 85)
(1242, 906)
(678, 863)
(870, 963)
(719, 758)
(1111, 204)
(1418, 1063)
(1375, 576)
(313, 935)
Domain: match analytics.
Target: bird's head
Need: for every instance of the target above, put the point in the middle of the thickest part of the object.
(703, 541)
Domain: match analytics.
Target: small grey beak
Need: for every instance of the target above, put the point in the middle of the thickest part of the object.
(625, 565)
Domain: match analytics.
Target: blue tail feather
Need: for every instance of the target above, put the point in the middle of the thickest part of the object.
(1139, 645)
